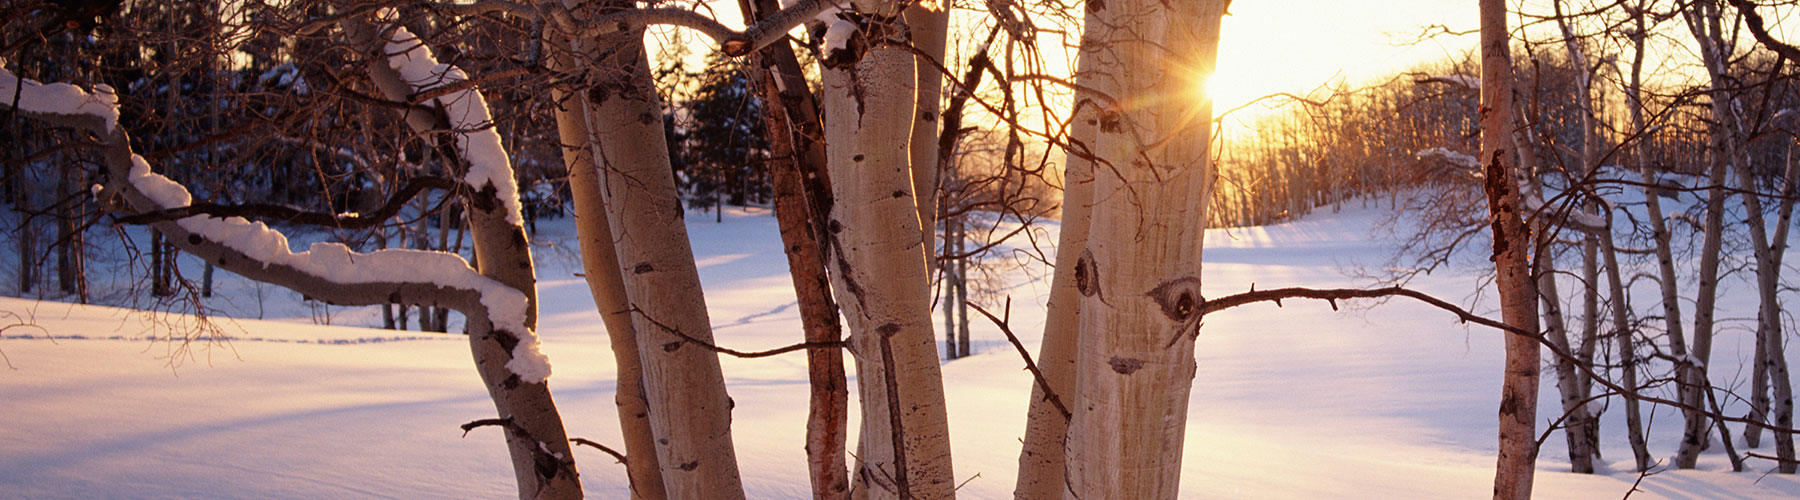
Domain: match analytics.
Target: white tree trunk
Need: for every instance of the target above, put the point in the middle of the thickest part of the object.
(600, 263)
(1667, 280)
(500, 307)
(878, 263)
(1140, 311)
(929, 25)
(1703, 22)
(1042, 465)
(690, 412)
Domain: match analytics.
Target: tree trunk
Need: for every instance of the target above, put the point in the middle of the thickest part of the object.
(690, 412)
(952, 284)
(1140, 269)
(929, 25)
(601, 269)
(539, 445)
(1042, 464)
(962, 291)
(504, 347)
(1577, 423)
(878, 262)
(802, 204)
(1518, 301)
(1665, 256)
(1627, 349)
(1703, 21)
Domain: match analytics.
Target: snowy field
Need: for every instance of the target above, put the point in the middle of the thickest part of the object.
(1395, 401)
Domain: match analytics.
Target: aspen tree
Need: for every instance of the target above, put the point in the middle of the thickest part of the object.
(600, 263)
(1042, 465)
(1139, 274)
(878, 261)
(1703, 22)
(1518, 298)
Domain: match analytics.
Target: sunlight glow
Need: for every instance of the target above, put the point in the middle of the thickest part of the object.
(1299, 46)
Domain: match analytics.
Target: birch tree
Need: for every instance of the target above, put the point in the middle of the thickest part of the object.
(690, 413)
(1042, 463)
(600, 261)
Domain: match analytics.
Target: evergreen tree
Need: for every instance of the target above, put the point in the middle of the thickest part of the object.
(722, 150)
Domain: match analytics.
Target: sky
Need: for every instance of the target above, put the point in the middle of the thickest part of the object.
(1298, 45)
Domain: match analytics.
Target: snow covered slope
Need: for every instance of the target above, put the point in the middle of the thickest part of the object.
(1394, 401)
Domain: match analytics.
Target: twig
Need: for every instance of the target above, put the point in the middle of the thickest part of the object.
(1647, 472)
(1771, 457)
(1029, 364)
(609, 451)
(965, 482)
(496, 422)
(291, 215)
(1332, 295)
(728, 351)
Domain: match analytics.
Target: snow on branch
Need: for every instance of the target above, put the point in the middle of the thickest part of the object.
(325, 270)
(732, 42)
(59, 99)
(1455, 158)
(1580, 221)
(467, 111)
(1464, 81)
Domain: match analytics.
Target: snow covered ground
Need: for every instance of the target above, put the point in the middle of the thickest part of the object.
(1393, 401)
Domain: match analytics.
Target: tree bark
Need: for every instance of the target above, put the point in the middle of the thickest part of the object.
(1042, 465)
(1703, 21)
(690, 412)
(1518, 298)
(1665, 256)
(335, 275)
(600, 266)
(1139, 273)
(541, 455)
(1627, 349)
(929, 24)
(802, 200)
(878, 261)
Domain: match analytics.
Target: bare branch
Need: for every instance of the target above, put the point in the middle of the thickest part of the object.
(601, 447)
(728, 351)
(1029, 364)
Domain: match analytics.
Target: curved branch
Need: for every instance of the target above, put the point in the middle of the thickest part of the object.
(1759, 30)
(732, 42)
(252, 249)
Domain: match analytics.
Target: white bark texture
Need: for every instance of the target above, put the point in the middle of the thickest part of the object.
(1667, 280)
(539, 444)
(1140, 272)
(1703, 21)
(600, 263)
(690, 413)
(878, 266)
(1042, 465)
(929, 23)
